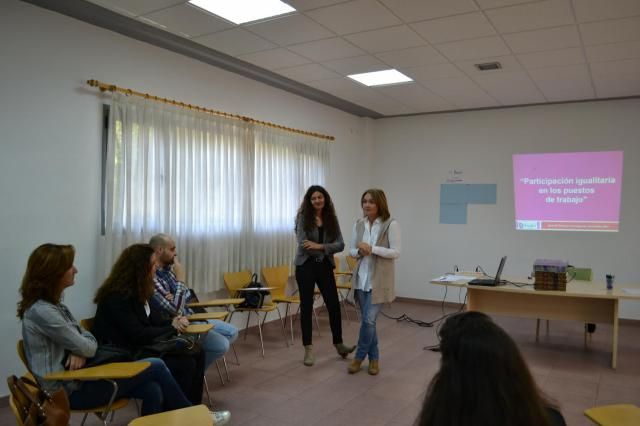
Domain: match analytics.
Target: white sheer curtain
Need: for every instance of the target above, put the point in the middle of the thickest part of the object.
(226, 190)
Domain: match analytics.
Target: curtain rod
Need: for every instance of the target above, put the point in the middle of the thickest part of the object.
(113, 88)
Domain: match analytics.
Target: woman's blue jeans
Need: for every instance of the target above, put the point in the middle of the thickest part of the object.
(368, 338)
(155, 386)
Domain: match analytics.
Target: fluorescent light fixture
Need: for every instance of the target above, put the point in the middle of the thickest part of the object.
(380, 78)
(241, 11)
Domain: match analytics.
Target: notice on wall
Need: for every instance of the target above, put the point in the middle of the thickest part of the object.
(454, 199)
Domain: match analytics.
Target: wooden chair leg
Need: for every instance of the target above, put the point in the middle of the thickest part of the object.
(537, 329)
(235, 353)
(284, 331)
(226, 369)
(228, 319)
(219, 372)
(286, 315)
(246, 327)
(206, 389)
(260, 332)
(344, 305)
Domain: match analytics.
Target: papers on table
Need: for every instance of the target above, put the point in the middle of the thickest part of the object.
(449, 278)
(635, 291)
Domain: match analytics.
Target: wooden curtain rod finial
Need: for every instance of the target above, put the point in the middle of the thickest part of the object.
(129, 92)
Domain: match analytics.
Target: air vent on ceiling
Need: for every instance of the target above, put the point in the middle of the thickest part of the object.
(489, 66)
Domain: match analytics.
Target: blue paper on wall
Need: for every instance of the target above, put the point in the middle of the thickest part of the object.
(455, 197)
(453, 213)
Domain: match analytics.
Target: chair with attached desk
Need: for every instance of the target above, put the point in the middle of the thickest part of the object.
(108, 372)
(614, 415)
(235, 282)
(201, 314)
(276, 278)
(227, 304)
(198, 415)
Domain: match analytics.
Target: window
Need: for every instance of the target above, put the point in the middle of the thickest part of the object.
(213, 183)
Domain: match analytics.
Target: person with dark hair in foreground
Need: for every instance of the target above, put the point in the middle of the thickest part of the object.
(483, 380)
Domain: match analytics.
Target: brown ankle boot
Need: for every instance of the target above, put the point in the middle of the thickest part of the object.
(344, 350)
(374, 368)
(355, 366)
(309, 359)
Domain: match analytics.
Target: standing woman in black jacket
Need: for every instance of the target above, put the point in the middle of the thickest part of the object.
(318, 236)
(124, 317)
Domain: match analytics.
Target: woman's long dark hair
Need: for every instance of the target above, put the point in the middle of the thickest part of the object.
(45, 268)
(483, 379)
(329, 219)
(130, 276)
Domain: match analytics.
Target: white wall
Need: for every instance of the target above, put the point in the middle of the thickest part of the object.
(51, 138)
(415, 154)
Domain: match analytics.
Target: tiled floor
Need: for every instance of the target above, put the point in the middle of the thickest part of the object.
(279, 390)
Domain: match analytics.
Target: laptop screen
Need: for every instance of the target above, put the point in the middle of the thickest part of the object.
(500, 268)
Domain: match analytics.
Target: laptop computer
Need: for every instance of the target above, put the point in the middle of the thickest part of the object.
(491, 282)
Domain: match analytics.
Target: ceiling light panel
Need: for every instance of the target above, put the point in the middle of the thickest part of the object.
(241, 11)
(380, 78)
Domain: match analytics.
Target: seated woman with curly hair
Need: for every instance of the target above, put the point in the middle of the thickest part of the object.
(125, 319)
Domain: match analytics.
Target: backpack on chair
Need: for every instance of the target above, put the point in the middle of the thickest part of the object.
(255, 299)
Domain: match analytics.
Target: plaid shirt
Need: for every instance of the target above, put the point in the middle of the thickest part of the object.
(166, 283)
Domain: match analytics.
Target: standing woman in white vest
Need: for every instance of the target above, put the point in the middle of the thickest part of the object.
(375, 242)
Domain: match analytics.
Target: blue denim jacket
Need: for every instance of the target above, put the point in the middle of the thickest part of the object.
(50, 333)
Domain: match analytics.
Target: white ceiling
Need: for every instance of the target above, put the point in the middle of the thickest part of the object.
(550, 50)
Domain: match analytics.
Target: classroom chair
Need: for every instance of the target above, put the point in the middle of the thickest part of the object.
(234, 282)
(614, 415)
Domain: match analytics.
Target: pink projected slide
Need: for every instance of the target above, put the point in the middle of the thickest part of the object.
(569, 191)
